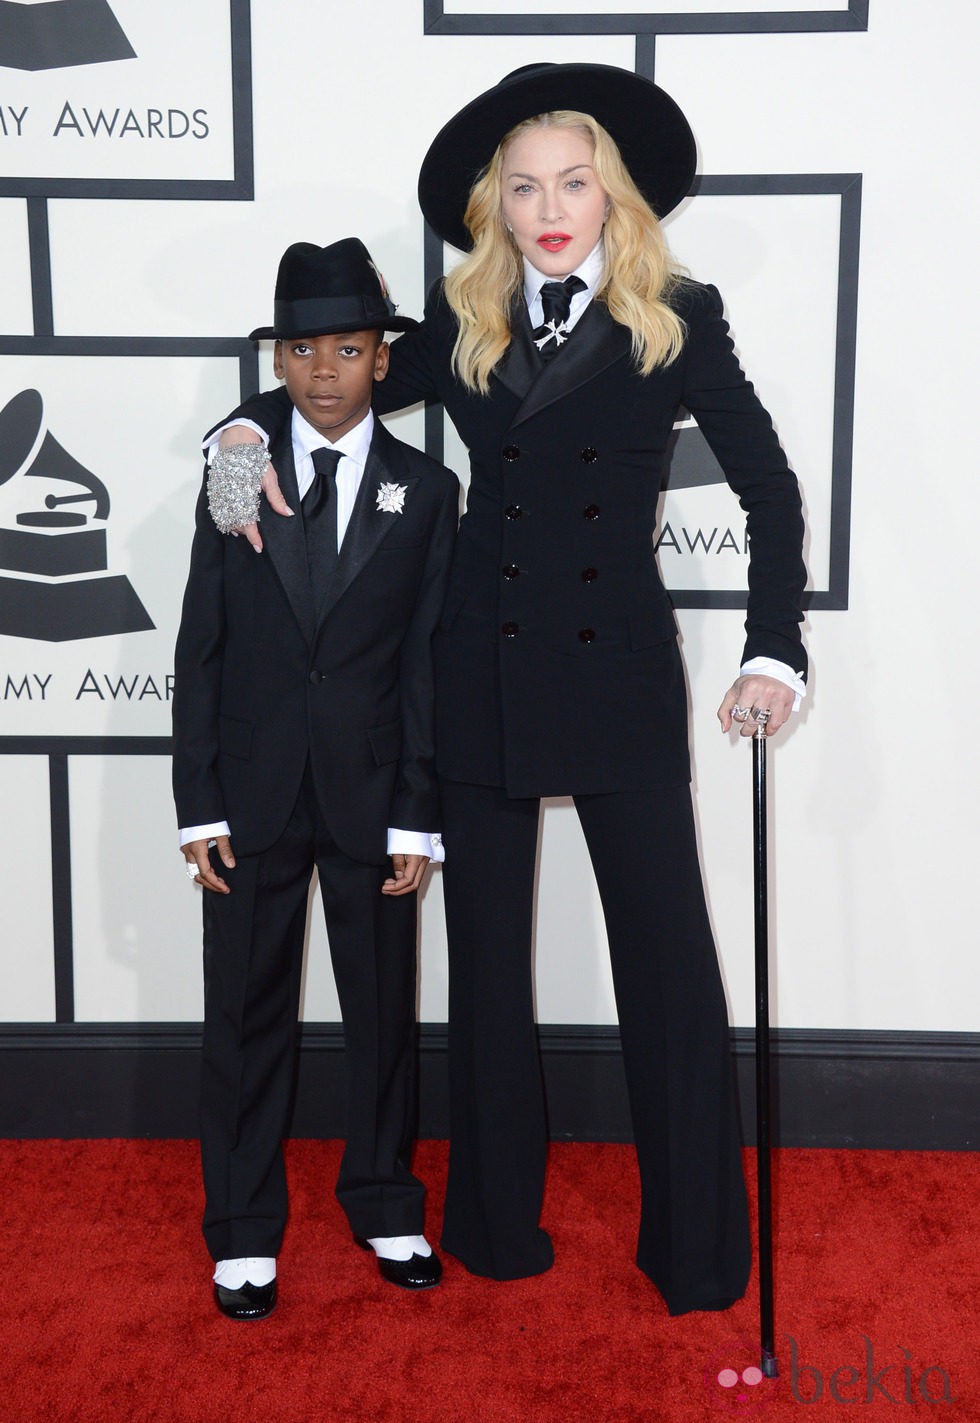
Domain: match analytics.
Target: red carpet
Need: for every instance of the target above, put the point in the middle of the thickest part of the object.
(107, 1313)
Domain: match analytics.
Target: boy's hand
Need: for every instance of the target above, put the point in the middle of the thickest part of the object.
(408, 872)
(244, 435)
(196, 853)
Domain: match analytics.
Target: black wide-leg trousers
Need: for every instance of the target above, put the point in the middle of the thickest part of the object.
(253, 957)
(694, 1236)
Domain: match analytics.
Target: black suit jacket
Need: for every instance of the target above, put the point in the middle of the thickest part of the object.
(557, 669)
(264, 682)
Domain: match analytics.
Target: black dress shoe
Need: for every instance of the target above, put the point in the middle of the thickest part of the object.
(249, 1302)
(419, 1273)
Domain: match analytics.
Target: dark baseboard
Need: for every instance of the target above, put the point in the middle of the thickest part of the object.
(904, 1091)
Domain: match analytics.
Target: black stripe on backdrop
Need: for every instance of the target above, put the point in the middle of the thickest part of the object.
(61, 906)
(39, 247)
(634, 22)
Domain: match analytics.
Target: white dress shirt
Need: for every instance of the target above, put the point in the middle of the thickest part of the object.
(354, 448)
(591, 272)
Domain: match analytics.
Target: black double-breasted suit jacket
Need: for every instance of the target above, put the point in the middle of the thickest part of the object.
(266, 680)
(557, 667)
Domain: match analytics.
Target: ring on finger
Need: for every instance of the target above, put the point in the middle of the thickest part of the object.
(762, 715)
(740, 713)
(190, 869)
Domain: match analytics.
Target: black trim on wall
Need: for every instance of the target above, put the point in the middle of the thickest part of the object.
(86, 745)
(238, 346)
(885, 1090)
(432, 270)
(645, 61)
(61, 909)
(677, 22)
(39, 250)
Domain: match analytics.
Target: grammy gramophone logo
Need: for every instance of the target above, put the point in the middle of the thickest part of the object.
(60, 34)
(58, 540)
(691, 462)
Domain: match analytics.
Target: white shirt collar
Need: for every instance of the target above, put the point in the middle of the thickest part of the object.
(355, 444)
(591, 271)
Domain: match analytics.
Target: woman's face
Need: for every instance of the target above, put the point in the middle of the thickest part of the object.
(551, 198)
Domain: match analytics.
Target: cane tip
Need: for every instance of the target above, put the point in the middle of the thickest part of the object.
(768, 1365)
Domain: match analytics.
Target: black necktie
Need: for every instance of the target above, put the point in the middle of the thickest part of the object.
(319, 507)
(556, 301)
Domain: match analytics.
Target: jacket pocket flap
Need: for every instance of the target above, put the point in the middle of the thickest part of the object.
(386, 742)
(235, 737)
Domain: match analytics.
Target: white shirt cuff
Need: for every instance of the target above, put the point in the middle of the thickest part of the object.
(209, 446)
(781, 671)
(400, 842)
(416, 842)
(205, 832)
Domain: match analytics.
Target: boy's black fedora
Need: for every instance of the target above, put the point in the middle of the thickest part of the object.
(652, 134)
(323, 290)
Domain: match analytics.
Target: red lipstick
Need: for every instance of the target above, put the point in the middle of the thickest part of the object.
(554, 241)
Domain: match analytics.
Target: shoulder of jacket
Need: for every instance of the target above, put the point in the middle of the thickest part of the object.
(438, 312)
(696, 300)
(435, 297)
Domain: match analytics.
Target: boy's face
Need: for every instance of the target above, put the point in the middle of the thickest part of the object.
(330, 379)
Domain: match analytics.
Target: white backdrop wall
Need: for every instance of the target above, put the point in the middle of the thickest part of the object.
(875, 786)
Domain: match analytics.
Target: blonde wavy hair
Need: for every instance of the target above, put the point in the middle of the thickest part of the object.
(636, 285)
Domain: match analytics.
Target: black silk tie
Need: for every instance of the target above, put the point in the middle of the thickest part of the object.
(319, 506)
(556, 302)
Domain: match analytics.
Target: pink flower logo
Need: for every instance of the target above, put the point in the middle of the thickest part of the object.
(734, 1381)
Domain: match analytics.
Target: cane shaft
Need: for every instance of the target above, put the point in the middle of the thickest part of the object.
(762, 1086)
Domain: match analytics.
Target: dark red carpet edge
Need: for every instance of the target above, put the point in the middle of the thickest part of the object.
(107, 1313)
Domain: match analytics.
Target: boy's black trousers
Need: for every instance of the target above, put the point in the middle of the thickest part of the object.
(253, 958)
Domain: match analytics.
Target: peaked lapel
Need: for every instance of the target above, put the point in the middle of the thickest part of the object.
(521, 363)
(284, 539)
(595, 343)
(368, 524)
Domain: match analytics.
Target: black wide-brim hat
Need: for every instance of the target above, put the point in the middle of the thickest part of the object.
(323, 290)
(651, 132)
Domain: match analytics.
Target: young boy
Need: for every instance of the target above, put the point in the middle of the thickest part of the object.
(303, 736)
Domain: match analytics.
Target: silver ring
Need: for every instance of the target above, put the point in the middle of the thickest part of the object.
(762, 717)
(740, 713)
(190, 869)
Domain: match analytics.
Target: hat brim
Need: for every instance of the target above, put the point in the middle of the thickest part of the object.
(651, 132)
(390, 323)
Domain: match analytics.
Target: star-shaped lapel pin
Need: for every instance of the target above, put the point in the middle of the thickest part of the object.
(391, 498)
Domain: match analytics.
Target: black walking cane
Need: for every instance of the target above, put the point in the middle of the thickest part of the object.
(763, 1156)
